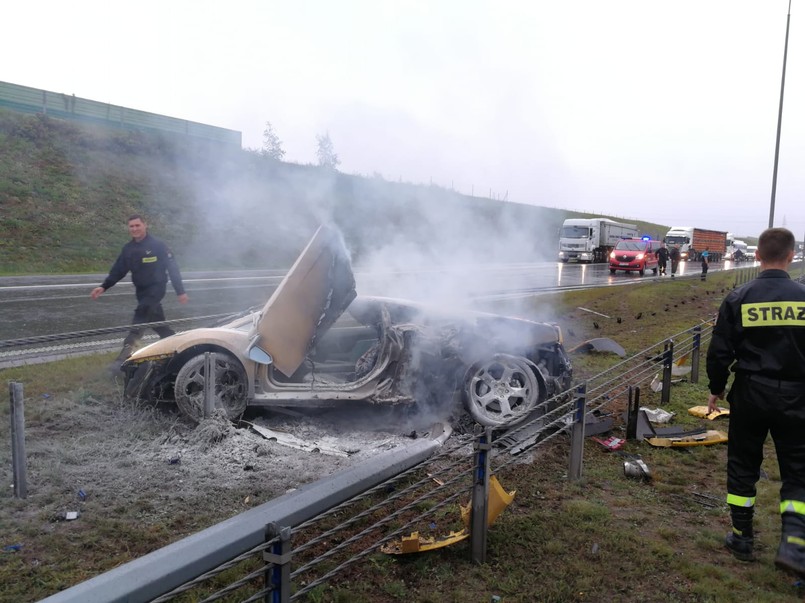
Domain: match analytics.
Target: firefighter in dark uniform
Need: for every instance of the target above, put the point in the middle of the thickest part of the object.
(760, 335)
(662, 258)
(150, 262)
(675, 256)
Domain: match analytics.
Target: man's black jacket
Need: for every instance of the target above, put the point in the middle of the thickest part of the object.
(150, 261)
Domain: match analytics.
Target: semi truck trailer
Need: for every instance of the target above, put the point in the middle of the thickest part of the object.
(693, 241)
(592, 239)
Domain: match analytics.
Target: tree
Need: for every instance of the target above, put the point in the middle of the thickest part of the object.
(272, 145)
(325, 153)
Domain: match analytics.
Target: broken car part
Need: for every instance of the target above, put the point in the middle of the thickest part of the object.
(704, 412)
(499, 499)
(600, 344)
(636, 469)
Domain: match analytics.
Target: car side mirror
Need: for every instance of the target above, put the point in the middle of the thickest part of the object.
(259, 355)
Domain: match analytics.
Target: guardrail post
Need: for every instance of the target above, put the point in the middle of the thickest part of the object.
(209, 384)
(667, 361)
(480, 497)
(577, 433)
(632, 410)
(278, 576)
(694, 361)
(18, 458)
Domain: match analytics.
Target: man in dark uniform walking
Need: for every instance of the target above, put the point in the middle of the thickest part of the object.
(760, 335)
(662, 258)
(675, 255)
(150, 262)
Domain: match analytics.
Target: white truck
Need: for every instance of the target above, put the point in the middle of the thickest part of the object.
(592, 239)
(693, 241)
(738, 252)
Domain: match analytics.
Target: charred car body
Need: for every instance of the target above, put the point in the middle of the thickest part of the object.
(316, 344)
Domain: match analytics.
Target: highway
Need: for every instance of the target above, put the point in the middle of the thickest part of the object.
(42, 305)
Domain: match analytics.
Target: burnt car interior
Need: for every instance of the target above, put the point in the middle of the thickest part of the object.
(340, 355)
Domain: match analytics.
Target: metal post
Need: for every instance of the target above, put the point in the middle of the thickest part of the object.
(779, 122)
(480, 497)
(632, 410)
(694, 362)
(577, 433)
(667, 361)
(278, 576)
(209, 384)
(18, 458)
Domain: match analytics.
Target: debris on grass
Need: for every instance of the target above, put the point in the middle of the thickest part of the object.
(658, 415)
(594, 312)
(704, 413)
(601, 345)
(287, 439)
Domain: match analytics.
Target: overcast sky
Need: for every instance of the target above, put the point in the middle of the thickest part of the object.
(657, 110)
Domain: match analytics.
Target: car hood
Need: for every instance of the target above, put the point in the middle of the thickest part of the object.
(369, 310)
(315, 292)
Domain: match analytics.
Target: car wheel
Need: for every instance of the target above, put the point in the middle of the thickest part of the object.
(231, 386)
(642, 271)
(654, 270)
(501, 390)
(611, 271)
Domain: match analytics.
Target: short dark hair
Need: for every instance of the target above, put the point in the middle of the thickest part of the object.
(774, 245)
(136, 217)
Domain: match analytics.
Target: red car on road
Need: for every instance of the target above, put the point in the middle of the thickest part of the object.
(634, 255)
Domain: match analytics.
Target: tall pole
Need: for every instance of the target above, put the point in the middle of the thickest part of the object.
(779, 123)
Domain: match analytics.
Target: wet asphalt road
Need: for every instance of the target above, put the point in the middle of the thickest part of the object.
(45, 304)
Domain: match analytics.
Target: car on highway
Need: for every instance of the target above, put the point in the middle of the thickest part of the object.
(316, 344)
(634, 255)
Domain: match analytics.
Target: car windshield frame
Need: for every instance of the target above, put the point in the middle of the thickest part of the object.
(632, 245)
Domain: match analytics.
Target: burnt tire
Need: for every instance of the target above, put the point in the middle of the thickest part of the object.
(501, 390)
(231, 386)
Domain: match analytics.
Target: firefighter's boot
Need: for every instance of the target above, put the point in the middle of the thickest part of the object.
(741, 541)
(791, 553)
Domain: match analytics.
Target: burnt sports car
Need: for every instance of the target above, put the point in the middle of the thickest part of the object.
(316, 344)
